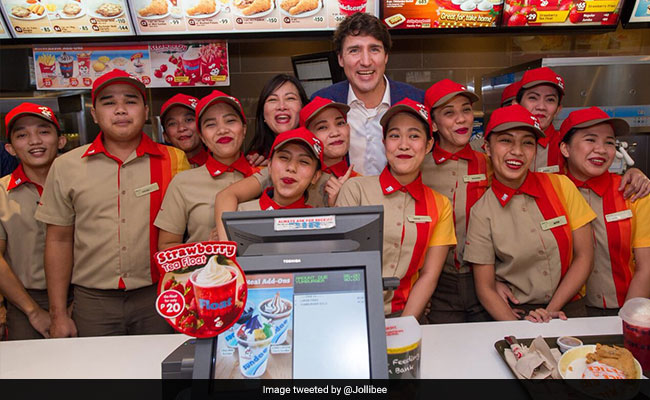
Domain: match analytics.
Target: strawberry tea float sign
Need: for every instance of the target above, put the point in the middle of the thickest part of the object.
(518, 13)
(203, 290)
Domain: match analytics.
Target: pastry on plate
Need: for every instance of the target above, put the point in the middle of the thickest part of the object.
(616, 357)
(156, 7)
(71, 9)
(109, 10)
(20, 12)
(203, 7)
(303, 6)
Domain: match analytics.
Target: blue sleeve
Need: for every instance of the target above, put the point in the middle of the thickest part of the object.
(8, 163)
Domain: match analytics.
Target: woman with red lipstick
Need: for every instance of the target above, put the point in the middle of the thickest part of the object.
(530, 231)
(189, 201)
(277, 111)
(621, 229)
(418, 221)
(294, 165)
(462, 175)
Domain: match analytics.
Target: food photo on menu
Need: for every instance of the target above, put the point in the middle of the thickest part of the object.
(414, 14)
(184, 65)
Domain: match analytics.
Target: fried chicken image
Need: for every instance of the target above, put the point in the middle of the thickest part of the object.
(156, 7)
(204, 7)
(303, 6)
(616, 357)
(249, 7)
(287, 4)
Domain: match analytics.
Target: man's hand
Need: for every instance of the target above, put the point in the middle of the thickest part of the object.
(635, 184)
(40, 320)
(63, 326)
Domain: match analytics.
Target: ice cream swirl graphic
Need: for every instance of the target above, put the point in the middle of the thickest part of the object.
(213, 273)
(276, 305)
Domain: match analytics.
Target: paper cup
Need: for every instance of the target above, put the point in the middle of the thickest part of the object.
(214, 302)
(253, 357)
(403, 344)
(636, 329)
(349, 7)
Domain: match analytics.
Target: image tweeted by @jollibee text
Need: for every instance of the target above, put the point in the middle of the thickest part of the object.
(328, 388)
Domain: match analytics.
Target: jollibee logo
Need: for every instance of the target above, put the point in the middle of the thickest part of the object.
(535, 122)
(193, 103)
(423, 111)
(317, 146)
(560, 81)
(45, 111)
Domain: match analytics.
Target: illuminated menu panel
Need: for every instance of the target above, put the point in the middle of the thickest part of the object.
(419, 14)
(54, 18)
(641, 11)
(160, 17)
(564, 13)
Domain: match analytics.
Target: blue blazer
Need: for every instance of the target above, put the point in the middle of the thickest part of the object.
(398, 91)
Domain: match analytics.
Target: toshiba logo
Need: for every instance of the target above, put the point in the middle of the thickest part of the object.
(292, 261)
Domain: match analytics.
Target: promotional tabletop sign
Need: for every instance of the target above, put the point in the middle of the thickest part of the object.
(202, 291)
(53, 18)
(418, 14)
(161, 65)
(561, 12)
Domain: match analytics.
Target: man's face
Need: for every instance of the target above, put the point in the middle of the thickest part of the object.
(34, 141)
(180, 129)
(120, 112)
(363, 59)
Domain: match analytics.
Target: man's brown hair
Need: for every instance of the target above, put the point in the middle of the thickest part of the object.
(361, 24)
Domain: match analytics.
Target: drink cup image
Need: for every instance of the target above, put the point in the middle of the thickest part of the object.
(192, 62)
(635, 314)
(278, 311)
(66, 64)
(253, 342)
(349, 7)
(215, 288)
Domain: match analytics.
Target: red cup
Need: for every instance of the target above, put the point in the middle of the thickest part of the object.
(349, 7)
(635, 314)
(215, 303)
(47, 70)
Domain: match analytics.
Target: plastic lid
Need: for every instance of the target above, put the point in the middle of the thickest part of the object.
(636, 311)
(402, 332)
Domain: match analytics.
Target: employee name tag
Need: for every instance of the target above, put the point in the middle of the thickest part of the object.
(553, 222)
(474, 178)
(618, 216)
(145, 190)
(551, 169)
(416, 219)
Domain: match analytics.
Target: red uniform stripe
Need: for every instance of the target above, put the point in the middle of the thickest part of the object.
(424, 231)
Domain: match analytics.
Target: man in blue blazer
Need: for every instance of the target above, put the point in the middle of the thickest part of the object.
(362, 44)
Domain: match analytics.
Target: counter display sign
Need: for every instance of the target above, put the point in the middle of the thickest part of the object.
(519, 13)
(53, 18)
(641, 11)
(418, 14)
(203, 64)
(202, 290)
(160, 17)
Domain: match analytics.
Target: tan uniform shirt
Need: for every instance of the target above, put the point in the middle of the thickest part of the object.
(506, 230)
(189, 201)
(548, 157)
(112, 206)
(25, 236)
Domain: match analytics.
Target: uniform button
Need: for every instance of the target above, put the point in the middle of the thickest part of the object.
(523, 209)
(123, 220)
(451, 190)
(541, 252)
(453, 173)
(545, 273)
(123, 192)
(399, 224)
(393, 266)
(123, 248)
(396, 245)
(399, 207)
(126, 274)
(599, 296)
(532, 230)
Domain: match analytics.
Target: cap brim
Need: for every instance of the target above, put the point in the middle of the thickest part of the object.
(16, 117)
(542, 82)
(621, 127)
(169, 107)
(508, 100)
(344, 108)
(396, 109)
(226, 100)
(516, 124)
(473, 97)
(294, 139)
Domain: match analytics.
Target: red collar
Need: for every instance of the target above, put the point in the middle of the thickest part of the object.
(18, 177)
(338, 170)
(200, 158)
(146, 146)
(530, 187)
(440, 155)
(267, 203)
(599, 184)
(216, 168)
(390, 185)
(550, 133)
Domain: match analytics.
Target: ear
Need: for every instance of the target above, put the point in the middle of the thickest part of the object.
(434, 126)
(166, 137)
(146, 111)
(92, 112)
(564, 149)
(316, 176)
(340, 58)
(62, 142)
(10, 149)
(487, 148)
(559, 110)
(429, 145)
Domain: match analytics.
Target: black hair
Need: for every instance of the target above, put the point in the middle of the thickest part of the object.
(520, 93)
(58, 131)
(306, 147)
(361, 24)
(425, 125)
(569, 135)
(264, 136)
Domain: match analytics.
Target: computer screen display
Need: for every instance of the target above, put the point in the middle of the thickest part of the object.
(299, 324)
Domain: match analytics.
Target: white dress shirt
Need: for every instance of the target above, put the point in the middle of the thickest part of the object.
(366, 148)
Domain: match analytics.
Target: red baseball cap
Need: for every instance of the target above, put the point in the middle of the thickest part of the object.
(317, 105)
(591, 116)
(36, 110)
(512, 117)
(301, 134)
(540, 76)
(410, 106)
(114, 77)
(218, 97)
(510, 92)
(442, 91)
(179, 100)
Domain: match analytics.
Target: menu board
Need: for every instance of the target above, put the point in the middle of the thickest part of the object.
(161, 17)
(54, 18)
(641, 11)
(519, 13)
(202, 64)
(418, 14)
(4, 32)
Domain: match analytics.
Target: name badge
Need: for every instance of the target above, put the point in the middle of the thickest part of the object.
(551, 169)
(145, 190)
(553, 223)
(618, 216)
(474, 178)
(416, 219)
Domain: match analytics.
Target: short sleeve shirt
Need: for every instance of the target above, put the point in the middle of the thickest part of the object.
(112, 206)
(24, 235)
(513, 231)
